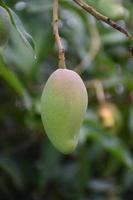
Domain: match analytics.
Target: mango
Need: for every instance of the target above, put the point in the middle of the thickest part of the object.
(63, 106)
(5, 26)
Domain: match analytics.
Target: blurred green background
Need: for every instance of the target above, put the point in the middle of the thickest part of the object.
(101, 168)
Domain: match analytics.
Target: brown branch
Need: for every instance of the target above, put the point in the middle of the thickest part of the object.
(57, 37)
(101, 17)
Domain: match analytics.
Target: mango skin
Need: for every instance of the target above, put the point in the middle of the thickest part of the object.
(5, 26)
(63, 105)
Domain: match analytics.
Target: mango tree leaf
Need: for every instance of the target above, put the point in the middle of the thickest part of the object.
(2, 4)
(16, 22)
(11, 78)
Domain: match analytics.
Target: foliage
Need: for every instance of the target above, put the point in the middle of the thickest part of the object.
(102, 165)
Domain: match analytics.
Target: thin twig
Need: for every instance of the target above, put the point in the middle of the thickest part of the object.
(98, 88)
(101, 17)
(57, 37)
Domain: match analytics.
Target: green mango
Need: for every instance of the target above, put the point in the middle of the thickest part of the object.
(5, 26)
(63, 106)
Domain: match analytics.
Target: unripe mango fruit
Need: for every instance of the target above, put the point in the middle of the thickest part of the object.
(5, 26)
(63, 106)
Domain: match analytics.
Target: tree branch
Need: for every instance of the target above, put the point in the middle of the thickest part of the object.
(57, 37)
(101, 17)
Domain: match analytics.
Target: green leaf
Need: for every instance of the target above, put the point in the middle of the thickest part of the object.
(11, 78)
(2, 3)
(27, 38)
(16, 22)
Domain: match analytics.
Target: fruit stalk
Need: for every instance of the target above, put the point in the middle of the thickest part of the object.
(57, 36)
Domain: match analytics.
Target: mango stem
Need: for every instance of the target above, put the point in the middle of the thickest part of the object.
(61, 50)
